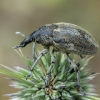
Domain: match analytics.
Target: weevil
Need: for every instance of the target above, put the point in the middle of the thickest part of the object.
(63, 37)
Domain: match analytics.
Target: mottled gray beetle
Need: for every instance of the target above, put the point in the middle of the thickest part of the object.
(63, 37)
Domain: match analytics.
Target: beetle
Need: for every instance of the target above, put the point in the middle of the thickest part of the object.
(63, 37)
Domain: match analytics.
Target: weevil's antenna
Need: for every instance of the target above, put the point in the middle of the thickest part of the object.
(21, 34)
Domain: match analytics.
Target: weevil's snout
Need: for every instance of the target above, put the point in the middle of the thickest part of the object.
(23, 43)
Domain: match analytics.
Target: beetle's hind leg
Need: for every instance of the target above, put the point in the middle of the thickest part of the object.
(76, 69)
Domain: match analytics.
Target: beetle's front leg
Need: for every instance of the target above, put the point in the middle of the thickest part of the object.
(76, 69)
(48, 74)
(36, 61)
(34, 51)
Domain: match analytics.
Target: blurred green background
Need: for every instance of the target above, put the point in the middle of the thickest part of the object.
(27, 15)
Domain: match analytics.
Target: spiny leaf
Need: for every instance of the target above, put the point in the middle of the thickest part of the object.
(62, 84)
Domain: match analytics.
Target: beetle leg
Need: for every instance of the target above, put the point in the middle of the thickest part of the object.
(76, 69)
(36, 61)
(33, 51)
(53, 60)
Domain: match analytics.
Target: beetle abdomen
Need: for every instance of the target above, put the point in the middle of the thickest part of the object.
(74, 39)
